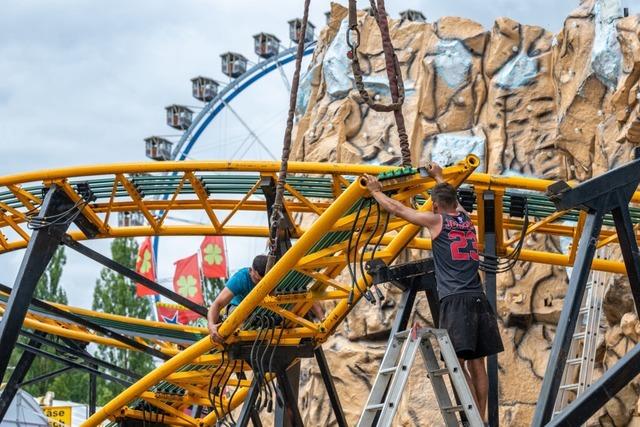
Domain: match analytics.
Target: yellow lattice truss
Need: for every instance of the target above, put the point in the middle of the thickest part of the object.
(310, 271)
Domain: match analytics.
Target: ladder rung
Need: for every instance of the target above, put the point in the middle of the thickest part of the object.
(386, 371)
(376, 407)
(579, 335)
(439, 372)
(569, 386)
(402, 335)
(576, 361)
(584, 310)
(453, 409)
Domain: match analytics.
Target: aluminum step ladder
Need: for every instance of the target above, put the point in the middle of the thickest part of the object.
(394, 371)
(578, 371)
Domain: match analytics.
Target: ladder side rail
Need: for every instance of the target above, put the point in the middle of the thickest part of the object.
(437, 382)
(398, 383)
(572, 369)
(382, 381)
(597, 301)
(458, 379)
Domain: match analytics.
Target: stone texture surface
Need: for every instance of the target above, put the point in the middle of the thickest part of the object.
(530, 102)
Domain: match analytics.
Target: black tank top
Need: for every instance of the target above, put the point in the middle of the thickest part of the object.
(455, 252)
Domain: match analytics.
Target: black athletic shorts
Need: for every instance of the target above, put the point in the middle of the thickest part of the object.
(471, 324)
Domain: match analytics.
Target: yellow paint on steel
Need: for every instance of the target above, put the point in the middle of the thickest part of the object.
(324, 266)
(288, 262)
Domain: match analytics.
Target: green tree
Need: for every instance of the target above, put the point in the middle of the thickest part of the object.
(116, 294)
(211, 288)
(48, 289)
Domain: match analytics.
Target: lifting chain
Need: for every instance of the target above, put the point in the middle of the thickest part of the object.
(394, 73)
(277, 216)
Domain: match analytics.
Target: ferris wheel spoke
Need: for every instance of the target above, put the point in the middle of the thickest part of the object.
(251, 132)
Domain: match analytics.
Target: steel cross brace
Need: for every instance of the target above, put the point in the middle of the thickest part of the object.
(609, 192)
(327, 378)
(131, 274)
(72, 364)
(92, 325)
(55, 216)
(17, 376)
(80, 354)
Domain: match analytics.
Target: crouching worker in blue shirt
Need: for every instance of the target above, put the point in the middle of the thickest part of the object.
(236, 289)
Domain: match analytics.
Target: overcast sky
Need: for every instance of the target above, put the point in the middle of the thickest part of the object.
(85, 81)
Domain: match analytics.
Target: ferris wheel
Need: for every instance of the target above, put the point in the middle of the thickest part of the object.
(217, 98)
(272, 57)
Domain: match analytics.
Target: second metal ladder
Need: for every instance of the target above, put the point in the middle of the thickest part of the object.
(578, 372)
(394, 371)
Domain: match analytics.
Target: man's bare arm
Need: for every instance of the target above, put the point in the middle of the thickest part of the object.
(221, 301)
(424, 219)
(435, 172)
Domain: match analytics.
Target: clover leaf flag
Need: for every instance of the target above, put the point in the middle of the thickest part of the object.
(144, 267)
(214, 260)
(186, 279)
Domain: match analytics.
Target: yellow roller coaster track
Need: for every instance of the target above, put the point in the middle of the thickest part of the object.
(310, 271)
(223, 190)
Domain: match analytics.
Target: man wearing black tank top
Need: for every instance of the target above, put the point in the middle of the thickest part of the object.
(464, 310)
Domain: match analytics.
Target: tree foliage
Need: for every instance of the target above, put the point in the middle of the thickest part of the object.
(211, 288)
(116, 294)
(48, 289)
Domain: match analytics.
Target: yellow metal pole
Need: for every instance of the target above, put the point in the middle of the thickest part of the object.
(143, 384)
(289, 260)
(251, 301)
(397, 244)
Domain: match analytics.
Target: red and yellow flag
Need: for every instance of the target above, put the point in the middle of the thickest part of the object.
(145, 266)
(186, 279)
(214, 260)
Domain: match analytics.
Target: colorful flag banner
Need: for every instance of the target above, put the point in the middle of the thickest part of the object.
(186, 279)
(214, 260)
(145, 267)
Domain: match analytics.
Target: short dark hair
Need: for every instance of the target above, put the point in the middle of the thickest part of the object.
(445, 195)
(260, 265)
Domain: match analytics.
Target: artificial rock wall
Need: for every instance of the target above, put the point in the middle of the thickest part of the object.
(529, 102)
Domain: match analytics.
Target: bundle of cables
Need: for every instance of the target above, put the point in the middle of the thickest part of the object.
(35, 222)
(493, 264)
(261, 352)
(359, 256)
(153, 418)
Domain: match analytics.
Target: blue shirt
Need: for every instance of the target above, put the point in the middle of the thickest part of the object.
(240, 284)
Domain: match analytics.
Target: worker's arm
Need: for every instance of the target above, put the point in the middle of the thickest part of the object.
(213, 316)
(424, 219)
(435, 172)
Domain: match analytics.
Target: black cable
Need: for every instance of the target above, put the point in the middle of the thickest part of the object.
(379, 294)
(268, 383)
(507, 263)
(261, 339)
(252, 359)
(66, 217)
(364, 250)
(235, 390)
(385, 227)
(258, 358)
(212, 393)
(278, 396)
(349, 242)
(367, 295)
(226, 381)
